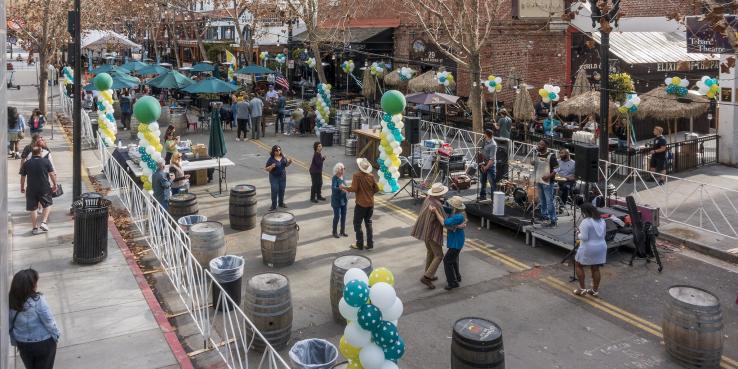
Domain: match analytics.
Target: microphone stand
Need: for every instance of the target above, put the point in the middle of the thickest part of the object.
(575, 247)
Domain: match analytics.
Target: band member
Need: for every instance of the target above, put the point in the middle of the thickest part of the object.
(487, 169)
(566, 171)
(545, 164)
(658, 153)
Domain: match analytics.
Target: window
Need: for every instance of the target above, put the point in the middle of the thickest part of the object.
(228, 33)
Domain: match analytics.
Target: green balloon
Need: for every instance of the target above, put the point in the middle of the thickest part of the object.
(147, 109)
(103, 81)
(393, 102)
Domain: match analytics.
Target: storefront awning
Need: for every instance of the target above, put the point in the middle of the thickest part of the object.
(346, 36)
(652, 47)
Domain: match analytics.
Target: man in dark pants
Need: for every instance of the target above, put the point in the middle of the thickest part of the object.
(365, 186)
(39, 171)
(243, 116)
(281, 111)
(658, 154)
(487, 165)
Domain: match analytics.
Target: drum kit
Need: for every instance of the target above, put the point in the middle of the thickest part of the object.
(519, 188)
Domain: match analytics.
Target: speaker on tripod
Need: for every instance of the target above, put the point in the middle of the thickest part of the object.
(412, 130)
(502, 157)
(586, 158)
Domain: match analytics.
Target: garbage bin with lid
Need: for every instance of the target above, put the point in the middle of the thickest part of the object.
(90, 229)
(188, 221)
(228, 272)
(326, 136)
(313, 353)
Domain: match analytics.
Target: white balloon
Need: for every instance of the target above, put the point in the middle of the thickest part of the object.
(668, 81)
(394, 311)
(140, 135)
(355, 273)
(684, 83)
(357, 336)
(557, 89)
(399, 125)
(371, 357)
(394, 322)
(149, 150)
(348, 312)
(397, 118)
(398, 150)
(383, 295)
(389, 364)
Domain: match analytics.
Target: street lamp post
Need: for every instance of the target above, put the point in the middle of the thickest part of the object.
(76, 28)
(603, 14)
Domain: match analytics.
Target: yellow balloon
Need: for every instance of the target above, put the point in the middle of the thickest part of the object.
(348, 351)
(676, 80)
(543, 93)
(490, 77)
(396, 162)
(381, 186)
(381, 275)
(354, 364)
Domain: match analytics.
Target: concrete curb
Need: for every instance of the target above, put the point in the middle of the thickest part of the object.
(699, 247)
(170, 334)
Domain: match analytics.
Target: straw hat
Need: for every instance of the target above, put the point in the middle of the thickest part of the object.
(457, 202)
(437, 189)
(364, 165)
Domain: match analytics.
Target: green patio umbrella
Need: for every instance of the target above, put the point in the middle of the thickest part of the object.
(210, 85)
(216, 144)
(134, 65)
(107, 68)
(120, 81)
(255, 69)
(153, 69)
(171, 79)
(202, 67)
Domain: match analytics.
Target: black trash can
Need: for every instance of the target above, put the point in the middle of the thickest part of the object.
(90, 229)
(326, 137)
(228, 272)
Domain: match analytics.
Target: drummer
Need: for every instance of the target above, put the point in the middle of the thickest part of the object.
(565, 175)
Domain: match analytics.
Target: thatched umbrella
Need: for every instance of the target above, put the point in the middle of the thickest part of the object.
(369, 86)
(581, 83)
(658, 104)
(584, 104)
(427, 82)
(393, 79)
(523, 108)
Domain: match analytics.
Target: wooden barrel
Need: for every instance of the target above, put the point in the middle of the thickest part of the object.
(242, 207)
(340, 265)
(182, 204)
(268, 305)
(477, 343)
(207, 241)
(279, 235)
(693, 327)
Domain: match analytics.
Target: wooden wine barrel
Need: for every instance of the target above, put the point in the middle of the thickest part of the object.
(340, 265)
(477, 343)
(280, 234)
(693, 327)
(207, 242)
(183, 204)
(268, 305)
(242, 207)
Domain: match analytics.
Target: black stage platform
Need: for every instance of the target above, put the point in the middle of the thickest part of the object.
(515, 218)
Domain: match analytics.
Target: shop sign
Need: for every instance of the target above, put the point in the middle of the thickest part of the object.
(688, 66)
(538, 8)
(703, 39)
(428, 53)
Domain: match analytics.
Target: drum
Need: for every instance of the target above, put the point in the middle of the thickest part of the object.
(532, 193)
(520, 196)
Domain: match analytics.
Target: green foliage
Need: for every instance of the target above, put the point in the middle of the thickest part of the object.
(620, 85)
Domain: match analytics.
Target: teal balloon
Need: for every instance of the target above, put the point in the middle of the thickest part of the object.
(103, 81)
(552, 95)
(709, 82)
(396, 351)
(356, 293)
(385, 335)
(393, 102)
(147, 109)
(369, 317)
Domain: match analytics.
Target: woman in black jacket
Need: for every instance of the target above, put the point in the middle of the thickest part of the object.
(316, 173)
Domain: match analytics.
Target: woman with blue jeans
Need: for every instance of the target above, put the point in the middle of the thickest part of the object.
(339, 200)
(544, 164)
(32, 326)
(277, 165)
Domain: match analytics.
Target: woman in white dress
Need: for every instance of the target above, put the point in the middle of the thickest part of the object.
(592, 250)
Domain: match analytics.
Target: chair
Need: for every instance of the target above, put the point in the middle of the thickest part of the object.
(204, 119)
(192, 121)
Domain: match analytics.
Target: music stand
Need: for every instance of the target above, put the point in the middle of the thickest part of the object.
(411, 182)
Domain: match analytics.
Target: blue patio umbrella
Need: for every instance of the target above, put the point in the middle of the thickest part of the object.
(202, 67)
(107, 68)
(134, 65)
(153, 69)
(255, 69)
(210, 85)
(171, 79)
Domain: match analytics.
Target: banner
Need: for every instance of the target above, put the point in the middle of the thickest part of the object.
(703, 39)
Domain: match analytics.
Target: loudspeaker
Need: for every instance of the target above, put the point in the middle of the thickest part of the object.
(502, 157)
(412, 130)
(586, 159)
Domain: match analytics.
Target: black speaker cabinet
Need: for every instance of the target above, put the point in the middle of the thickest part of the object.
(586, 158)
(412, 130)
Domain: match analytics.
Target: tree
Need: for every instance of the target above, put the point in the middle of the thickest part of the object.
(460, 29)
(246, 15)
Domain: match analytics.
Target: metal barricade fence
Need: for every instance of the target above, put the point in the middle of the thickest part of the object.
(230, 333)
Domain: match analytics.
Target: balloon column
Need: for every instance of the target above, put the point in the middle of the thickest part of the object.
(406, 74)
(348, 66)
(371, 307)
(68, 78)
(549, 93)
(377, 69)
(105, 111)
(393, 104)
(322, 105)
(280, 58)
(147, 110)
(631, 104)
(493, 84)
(310, 62)
(445, 78)
(709, 87)
(676, 86)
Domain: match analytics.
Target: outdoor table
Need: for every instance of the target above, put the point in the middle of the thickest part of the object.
(367, 143)
(190, 166)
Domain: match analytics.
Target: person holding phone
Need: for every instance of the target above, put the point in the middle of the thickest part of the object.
(277, 165)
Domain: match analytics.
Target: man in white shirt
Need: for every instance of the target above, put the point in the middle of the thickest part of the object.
(566, 169)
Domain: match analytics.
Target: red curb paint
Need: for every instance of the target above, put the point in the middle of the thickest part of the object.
(169, 332)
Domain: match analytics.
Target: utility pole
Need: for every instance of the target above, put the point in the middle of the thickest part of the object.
(76, 26)
(603, 14)
(5, 248)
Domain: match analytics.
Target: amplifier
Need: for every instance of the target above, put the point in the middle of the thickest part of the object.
(648, 214)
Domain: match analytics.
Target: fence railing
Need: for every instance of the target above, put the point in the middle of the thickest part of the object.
(67, 105)
(230, 333)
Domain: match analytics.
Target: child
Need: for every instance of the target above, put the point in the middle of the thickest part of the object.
(455, 225)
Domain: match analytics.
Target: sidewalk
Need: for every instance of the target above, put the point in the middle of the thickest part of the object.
(106, 312)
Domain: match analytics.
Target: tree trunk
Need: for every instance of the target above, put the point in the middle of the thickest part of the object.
(43, 78)
(475, 93)
(175, 44)
(201, 45)
(315, 48)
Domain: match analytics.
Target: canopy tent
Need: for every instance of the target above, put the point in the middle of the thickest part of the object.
(523, 108)
(210, 85)
(426, 82)
(99, 40)
(202, 68)
(255, 69)
(171, 79)
(658, 104)
(120, 81)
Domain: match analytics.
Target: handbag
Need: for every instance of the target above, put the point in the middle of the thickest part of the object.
(59, 191)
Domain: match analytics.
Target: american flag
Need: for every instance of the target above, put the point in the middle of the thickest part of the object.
(282, 82)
